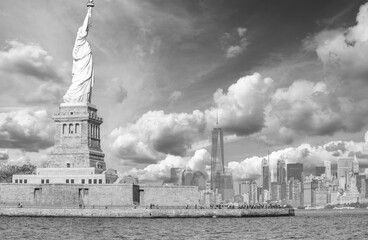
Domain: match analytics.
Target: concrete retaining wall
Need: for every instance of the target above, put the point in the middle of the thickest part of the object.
(145, 213)
(67, 195)
(169, 195)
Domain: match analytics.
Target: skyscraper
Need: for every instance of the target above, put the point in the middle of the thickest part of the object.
(295, 170)
(253, 194)
(217, 155)
(199, 179)
(187, 177)
(344, 166)
(281, 173)
(175, 174)
(266, 180)
(355, 166)
(265, 175)
(226, 186)
(328, 170)
(344, 171)
(319, 171)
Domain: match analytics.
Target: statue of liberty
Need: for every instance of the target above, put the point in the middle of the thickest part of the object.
(83, 73)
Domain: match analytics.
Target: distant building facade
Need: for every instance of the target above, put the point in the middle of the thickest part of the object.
(295, 170)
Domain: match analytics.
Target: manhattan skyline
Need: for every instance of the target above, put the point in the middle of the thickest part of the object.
(289, 77)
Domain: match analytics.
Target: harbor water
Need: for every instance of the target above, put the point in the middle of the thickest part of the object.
(312, 224)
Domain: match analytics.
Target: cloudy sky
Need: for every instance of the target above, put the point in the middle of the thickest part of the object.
(289, 76)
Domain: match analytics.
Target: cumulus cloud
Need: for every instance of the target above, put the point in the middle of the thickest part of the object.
(156, 133)
(344, 49)
(29, 60)
(241, 109)
(161, 170)
(236, 43)
(310, 156)
(26, 129)
(250, 106)
(200, 161)
(309, 108)
(25, 66)
(250, 168)
(175, 96)
(4, 155)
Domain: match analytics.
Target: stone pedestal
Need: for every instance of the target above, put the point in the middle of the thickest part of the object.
(77, 137)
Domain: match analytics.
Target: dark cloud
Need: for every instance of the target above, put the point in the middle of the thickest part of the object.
(362, 155)
(335, 146)
(173, 143)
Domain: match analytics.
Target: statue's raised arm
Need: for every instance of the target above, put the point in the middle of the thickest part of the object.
(86, 22)
(83, 73)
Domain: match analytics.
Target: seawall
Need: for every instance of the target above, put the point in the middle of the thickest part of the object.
(145, 213)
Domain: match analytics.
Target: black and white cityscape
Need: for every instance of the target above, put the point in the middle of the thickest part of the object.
(177, 109)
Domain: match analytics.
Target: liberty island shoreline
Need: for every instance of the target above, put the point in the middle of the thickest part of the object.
(115, 212)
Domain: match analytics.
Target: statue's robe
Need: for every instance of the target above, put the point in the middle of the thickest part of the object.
(83, 74)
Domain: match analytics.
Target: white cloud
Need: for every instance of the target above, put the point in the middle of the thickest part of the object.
(241, 109)
(241, 112)
(310, 156)
(4, 155)
(200, 161)
(235, 44)
(26, 129)
(28, 60)
(308, 108)
(250, 168)
(21, 157)
(241, 31)
(161, 170)
(155, 133)
(175, 96)
(344, 49)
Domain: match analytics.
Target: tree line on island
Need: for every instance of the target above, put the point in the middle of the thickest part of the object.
(7, 171)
